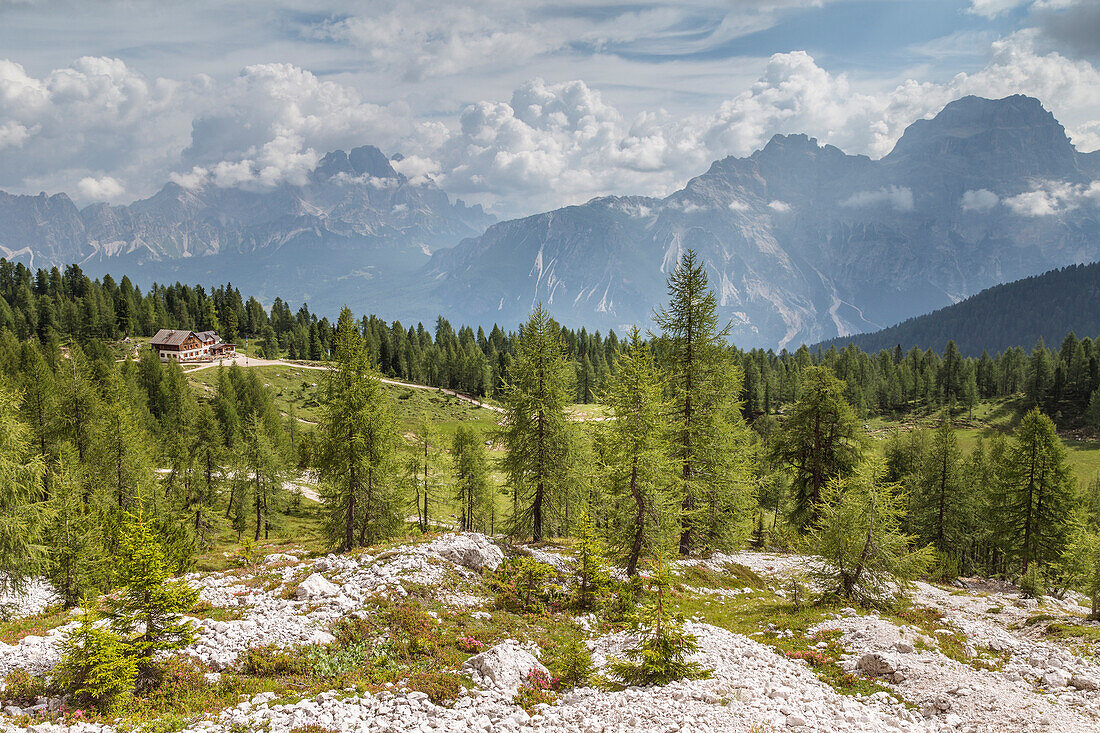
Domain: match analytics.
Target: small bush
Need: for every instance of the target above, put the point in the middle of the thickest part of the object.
(796, 593)
(469, 644)
(442, 688)
(571, 662)
(271, 661)
(95, 666)
(21, 687)
(1032, 583)
(523, 585)
(176, 677)
(537, 688)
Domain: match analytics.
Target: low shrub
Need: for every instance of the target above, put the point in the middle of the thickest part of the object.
(21, 687)
(442, 688)
(1032, 583)
(537, 688)
(271, 661)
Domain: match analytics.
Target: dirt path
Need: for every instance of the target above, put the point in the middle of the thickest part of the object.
(250, 361)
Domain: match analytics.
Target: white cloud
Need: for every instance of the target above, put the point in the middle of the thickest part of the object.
(104, 188)
(900, 198)
(993, 8)
(1054, 197)
(781, 207)
(979, 200)
(737, 205)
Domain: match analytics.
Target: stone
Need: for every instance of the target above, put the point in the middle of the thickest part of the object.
(1083, 683)
(904, 647)
(1055, 678)
(469, 549)
(504, 666)
(316, 586)
(876, 664)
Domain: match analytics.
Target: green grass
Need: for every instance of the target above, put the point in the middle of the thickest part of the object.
(50, 618)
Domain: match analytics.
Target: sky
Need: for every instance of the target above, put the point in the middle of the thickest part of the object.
(521, 105)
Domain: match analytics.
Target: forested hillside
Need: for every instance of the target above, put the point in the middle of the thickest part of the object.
(1019, 313)
(119, 473)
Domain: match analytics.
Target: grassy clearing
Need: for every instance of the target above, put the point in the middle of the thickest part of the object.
(50, 618)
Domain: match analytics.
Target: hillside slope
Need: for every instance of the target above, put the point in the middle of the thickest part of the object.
(1046, 306)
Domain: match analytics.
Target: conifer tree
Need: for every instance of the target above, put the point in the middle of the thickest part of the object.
(208, 453)
(72, 535)
(261, 476)
(420, 468)
(535, 431)
(95, 666)
(939, 497)
(592, 572)
(819, 441)
(146, 613)
(356, 446)
(858, 535)
(707, 433)
(471, 473)
(20, 481)
(1034, 493)
(634, 456)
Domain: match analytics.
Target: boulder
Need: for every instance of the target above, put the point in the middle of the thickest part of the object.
(1055, 678)
(279, 557)
(876, 664)
(469, 549)
(316, 586)
(1084, 683)
(504, 666)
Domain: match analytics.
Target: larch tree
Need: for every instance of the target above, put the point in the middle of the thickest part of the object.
(939, 501)
(356, 445)
(1034, 494)
(535, 431)
(708, 435)
(857, 533)
(20, 482)
(259, 476)
(471, 474)
(819, 441)
(72, 535)
(633, 453)
(420, 469)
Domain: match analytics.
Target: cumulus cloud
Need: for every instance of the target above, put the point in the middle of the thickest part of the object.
(104, 188)
(780, 207)
(900, 198)
(737, 205)
(979, 200)
(1054, 197)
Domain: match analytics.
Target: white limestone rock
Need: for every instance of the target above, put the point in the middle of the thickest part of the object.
(316, 586)
(469, 549)
(504, 666)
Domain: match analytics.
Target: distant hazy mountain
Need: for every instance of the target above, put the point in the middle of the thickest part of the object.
(1019, 313)
(355, 221)
(802, 241)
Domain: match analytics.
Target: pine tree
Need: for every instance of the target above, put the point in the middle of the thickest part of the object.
(420, 468)
(708, 434)
(208, 453)
(1034, 493)
(819, 441)
(535, 430)
(939, 497)
(261, 476)
(95, 666)
(146, 613)
(72, 535)
(634, 456)
(1080, 564)
(471, 473)
(592, 572)
(20, 481)
(356, 446)
(660, 656)
(858, 535)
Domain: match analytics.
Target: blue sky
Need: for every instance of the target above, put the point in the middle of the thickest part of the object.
(520, 106)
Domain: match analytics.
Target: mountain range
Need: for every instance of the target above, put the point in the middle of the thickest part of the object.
(802, 241)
